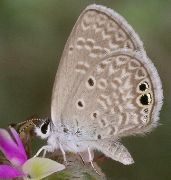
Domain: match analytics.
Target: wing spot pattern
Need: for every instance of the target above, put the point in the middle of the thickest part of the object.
(102, 102)
(89, 45)
(145, 118)
(128, 44)
(102, 84)
(107, 30)
(145, 99)
(143, 86)
(133, 64)
(91, 82)
(120, 35)
(97, 51)
(88, 20)
(145, 110)
(107, 99)
(94, 115)
(102, 65)
(80, 104)
(103, 122)
(82, 67)
(80, 43)
(100, 22)
(121, 60)
(140, 73)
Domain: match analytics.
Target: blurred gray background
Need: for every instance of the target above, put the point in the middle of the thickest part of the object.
(32, 36)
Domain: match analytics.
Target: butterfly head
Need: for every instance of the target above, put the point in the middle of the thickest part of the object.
(43, 128)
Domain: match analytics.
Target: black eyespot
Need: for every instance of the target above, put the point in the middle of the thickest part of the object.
(143, 86)
(80, 104)
(145, 99)
(44, 127)
(99, 136)
(90, 82)
(94, 115)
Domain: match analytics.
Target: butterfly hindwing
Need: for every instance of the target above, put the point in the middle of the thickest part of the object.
(120, 96)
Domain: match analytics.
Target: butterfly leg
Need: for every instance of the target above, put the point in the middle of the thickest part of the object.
(63, 153)
(45, 149)
(44, 153)
(91, 161)
(39, 151)
(82, 159)
(85, 157)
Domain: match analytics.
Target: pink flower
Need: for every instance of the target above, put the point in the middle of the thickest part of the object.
(20, 166)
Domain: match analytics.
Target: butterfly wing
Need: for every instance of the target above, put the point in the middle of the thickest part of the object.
(120, 96)
(97, 32)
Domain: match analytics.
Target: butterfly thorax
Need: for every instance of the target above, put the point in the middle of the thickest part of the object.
(69, 140)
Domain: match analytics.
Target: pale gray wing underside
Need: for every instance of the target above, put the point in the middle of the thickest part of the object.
(120, 96)
(97, 32)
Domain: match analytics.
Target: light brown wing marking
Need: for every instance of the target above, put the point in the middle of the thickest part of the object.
(82, 67)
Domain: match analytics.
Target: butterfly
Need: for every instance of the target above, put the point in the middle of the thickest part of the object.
(105, 88)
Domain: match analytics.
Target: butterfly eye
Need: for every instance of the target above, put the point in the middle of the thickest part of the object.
(143, 86)
(145, 99)
(44, 127)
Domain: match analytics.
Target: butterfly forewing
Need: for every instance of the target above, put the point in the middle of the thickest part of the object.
(97, 32)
